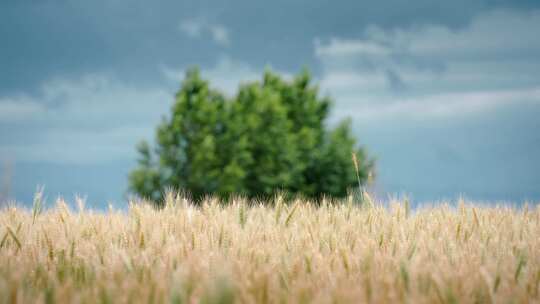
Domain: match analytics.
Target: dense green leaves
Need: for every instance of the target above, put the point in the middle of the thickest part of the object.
(270, 137)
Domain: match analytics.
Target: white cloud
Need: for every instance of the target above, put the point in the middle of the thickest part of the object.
(344, 47)
(433, 71)
(199, 28)
(80, 146)
(220, 34)
(192, 28)
(445, 105)
(17, 108)
(225, 75)
(496, 32)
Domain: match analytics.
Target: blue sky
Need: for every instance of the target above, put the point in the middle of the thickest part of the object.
(446, 95)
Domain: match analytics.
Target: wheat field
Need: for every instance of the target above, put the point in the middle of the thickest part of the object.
(283, 253)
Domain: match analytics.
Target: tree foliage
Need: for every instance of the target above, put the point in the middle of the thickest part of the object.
(271, 136)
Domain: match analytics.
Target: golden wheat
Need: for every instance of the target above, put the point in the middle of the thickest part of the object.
(296, 253)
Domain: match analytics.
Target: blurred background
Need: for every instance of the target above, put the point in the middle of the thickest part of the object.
(445, 95)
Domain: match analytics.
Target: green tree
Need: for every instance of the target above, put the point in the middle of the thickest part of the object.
(270, 137)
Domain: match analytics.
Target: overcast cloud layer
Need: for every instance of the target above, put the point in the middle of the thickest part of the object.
(445, 95)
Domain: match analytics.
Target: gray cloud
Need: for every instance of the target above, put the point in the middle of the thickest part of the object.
(98, 117)
(470, 67)
(446, 94)
(86, 119)
(58, 38)
(464, 123)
